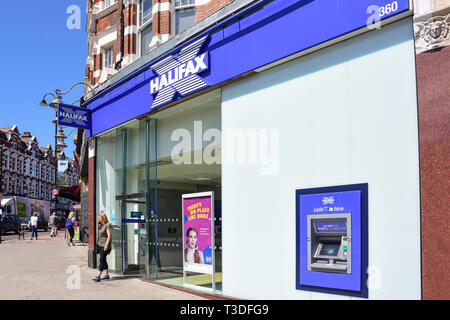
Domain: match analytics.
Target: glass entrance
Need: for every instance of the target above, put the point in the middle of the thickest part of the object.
(134, 235)
(143, 170)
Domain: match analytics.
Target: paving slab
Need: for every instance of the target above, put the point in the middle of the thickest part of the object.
(47, 269)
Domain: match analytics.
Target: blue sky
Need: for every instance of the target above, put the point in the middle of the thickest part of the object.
(39, 54)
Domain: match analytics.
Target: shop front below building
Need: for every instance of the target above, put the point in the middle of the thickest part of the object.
(272, 155)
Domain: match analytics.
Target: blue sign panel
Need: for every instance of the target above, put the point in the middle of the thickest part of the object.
(72, 116)
(136, 214)
(259, 35)
(324, 203)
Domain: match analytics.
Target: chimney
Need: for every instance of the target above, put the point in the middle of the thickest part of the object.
(26, 135)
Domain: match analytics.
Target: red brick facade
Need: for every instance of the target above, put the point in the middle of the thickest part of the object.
(123, 17)
(106, 22)
(209, 8)
(433, 85)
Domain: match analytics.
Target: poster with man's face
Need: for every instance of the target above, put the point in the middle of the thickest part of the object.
(197, 236)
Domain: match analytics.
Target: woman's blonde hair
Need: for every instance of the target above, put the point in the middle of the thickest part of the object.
(71, 215)
(104, 217)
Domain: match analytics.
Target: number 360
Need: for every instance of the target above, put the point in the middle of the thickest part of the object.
(389, 8)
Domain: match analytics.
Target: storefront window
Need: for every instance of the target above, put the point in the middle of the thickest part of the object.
(143, 170)
(184, 166)
(109, 184)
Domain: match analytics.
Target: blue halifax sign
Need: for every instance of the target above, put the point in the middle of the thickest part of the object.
(263, 34)
(72, 116)
(179, 74)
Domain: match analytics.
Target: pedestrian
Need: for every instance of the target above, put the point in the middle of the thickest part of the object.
(33, 225)
(103, 245)
(57, 219)
(52, 224)
(70, 228)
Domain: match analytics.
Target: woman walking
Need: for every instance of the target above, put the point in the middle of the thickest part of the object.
(70, 228)
(103, 246)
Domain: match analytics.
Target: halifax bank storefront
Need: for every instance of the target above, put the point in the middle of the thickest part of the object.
(270, 155)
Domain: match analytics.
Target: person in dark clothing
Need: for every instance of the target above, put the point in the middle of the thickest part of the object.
(70, 228)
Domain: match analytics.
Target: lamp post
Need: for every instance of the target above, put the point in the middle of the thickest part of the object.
(57, 99)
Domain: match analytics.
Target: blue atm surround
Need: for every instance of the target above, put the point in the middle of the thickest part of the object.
(333, 201)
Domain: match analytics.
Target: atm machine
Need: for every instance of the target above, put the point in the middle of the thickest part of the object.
(332, 240)
(329, 243)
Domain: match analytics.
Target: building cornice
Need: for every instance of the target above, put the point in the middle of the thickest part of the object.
(432, 31)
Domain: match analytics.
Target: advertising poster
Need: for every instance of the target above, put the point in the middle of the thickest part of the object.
(76, 234)
(21, 209)
(62, 167)
(198, 235)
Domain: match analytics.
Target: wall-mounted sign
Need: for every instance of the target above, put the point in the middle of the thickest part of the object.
(250, 40)
(198, 235)
(179, 74)
(135, 214)
(72, 116)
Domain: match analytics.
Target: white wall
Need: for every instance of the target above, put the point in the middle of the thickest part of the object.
(346, 114)
(209, 117)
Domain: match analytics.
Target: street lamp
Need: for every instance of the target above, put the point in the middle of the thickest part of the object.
(60, 137)
(57, 99)
(43, 103)
(57, 96)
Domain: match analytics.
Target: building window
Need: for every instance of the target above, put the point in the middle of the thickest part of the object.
(146, 38)
(5, 161)
(109, 3)
(184, 15)
(13, 163)
(32, 169)
(145, 25)
(145, 11)
(108, 58)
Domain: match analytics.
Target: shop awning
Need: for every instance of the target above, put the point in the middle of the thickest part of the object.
(71, 193)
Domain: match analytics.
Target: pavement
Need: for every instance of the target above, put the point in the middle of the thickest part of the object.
(47, 269)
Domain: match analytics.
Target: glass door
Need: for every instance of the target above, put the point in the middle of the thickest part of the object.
(134, 235)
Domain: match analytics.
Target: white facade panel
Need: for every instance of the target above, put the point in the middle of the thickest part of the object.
(346, 114)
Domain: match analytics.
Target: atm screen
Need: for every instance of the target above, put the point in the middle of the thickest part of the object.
(329, 250)
(331, 226)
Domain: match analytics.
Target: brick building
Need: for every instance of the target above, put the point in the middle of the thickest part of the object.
(26, 169)
(122, 31)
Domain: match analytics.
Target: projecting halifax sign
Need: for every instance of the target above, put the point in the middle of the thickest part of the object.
(72, 116)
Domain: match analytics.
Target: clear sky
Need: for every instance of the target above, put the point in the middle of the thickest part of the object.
(39, 54)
